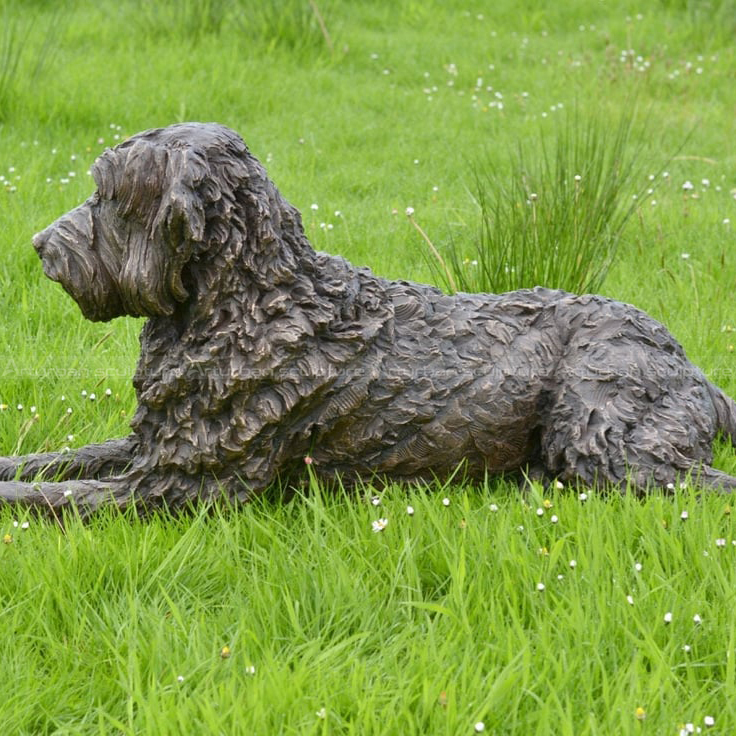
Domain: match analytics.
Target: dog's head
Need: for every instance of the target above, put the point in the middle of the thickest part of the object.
(124, 250)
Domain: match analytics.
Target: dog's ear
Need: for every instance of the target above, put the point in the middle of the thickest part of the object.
(158, 192)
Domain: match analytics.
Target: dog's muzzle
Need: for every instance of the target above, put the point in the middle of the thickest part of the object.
(41, 243)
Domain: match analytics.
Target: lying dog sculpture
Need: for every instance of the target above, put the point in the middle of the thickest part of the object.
(259, 351)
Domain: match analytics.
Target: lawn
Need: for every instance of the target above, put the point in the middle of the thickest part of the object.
(472, 609)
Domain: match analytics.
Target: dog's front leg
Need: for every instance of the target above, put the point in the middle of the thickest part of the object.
(91, 461)
(49, 498)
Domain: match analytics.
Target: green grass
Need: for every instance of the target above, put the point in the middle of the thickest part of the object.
(435, 623)
(429, 626)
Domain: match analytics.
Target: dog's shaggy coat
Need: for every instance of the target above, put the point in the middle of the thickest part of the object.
(259, 351)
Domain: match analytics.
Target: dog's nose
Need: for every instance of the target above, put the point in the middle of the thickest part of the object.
(39, 243)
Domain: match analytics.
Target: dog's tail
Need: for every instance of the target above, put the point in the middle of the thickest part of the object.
(725, 412)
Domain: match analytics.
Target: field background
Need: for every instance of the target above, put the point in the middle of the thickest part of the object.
(439, 623)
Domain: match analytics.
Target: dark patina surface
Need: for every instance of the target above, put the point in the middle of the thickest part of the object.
(259, 351)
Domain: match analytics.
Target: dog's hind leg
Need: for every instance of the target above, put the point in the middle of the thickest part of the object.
(91, 461)
(583, 440)
(604, 433)
(717, 480)
(645, 477)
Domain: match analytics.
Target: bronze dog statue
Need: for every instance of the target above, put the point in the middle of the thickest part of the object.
(259, 351)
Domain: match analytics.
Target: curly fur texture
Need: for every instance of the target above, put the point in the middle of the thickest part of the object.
(259, 351)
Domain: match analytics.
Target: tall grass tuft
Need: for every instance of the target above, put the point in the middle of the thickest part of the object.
(557, 218)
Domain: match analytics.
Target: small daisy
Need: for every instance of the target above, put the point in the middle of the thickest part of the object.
(225, 652)
(573, 564)
(684, 516)
(554, 519)
(379, 525)
(445, 501)
(480, 727)
(640, 714)
(250, 669)
(547, 503)
(583, 496)
(540, 587)
(376, 501)
(409, 211)
(540, 512)
(410, 510)
(630, 600)
(709, 721)
(321, 713)
(668, 617)
(697, 619)
(180, 678)
(638, 566)
(493, 507)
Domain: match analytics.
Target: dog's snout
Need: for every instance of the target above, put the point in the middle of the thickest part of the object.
(39, 242)
(42, 242)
